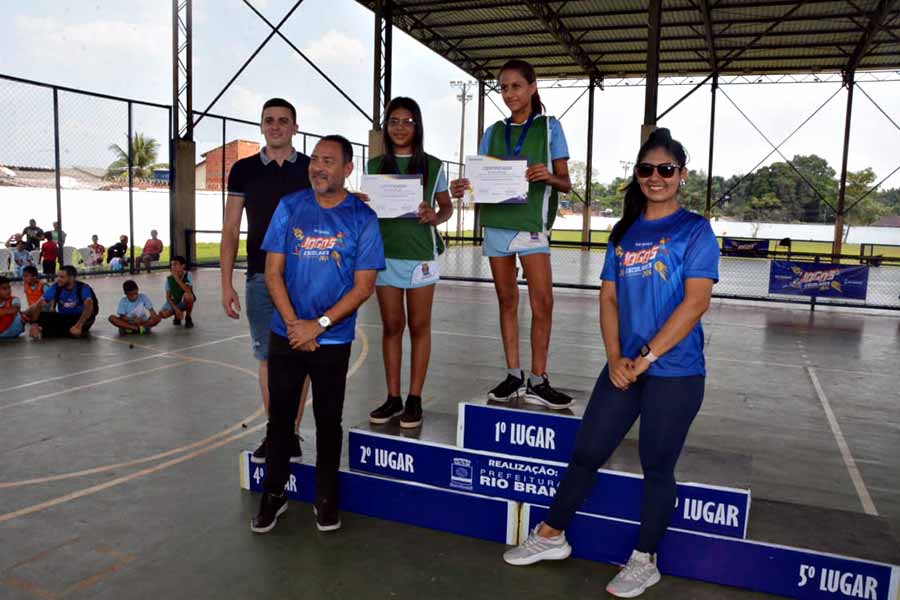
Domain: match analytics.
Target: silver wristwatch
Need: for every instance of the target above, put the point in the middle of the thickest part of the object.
(325, 322)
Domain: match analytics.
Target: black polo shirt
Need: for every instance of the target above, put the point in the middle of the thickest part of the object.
(262, 184)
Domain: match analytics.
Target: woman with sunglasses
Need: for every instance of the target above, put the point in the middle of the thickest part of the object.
(660, 267)
(524, 229)
(411, 248)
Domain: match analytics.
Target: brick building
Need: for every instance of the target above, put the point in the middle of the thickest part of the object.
(209, 170)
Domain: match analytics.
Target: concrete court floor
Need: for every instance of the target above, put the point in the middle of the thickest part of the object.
(135, 453)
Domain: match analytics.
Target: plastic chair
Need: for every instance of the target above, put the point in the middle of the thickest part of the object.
(87, 267)
(71, 256)
(36, 257)
(7, 266)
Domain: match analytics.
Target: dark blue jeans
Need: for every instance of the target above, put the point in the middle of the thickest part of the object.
(667, 407)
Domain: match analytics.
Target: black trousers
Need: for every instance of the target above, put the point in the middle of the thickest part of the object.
(54, 324)
(49, 267)
(288, 368)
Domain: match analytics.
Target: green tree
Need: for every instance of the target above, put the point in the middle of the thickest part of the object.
(693, 193)
(869, 209)
(144, 154)
(765, 208)
(800, 202)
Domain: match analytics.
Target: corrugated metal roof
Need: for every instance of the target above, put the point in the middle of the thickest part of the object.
(749, 36)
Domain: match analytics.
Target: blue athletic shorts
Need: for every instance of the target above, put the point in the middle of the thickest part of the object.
(168, 307)
(259, 313)
(508, 242)
(408, 274)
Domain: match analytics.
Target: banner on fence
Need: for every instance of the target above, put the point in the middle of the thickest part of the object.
(818, 279)
(740, 247)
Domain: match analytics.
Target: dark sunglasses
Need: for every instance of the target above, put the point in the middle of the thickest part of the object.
(645, 170)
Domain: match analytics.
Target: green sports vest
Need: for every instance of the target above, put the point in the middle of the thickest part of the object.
(540, 211)
(407, 239)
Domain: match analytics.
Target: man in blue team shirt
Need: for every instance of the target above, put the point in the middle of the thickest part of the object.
(73, 308)
(323, 251)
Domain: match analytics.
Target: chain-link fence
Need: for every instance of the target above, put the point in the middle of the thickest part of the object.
(82, 165)
(578, 265)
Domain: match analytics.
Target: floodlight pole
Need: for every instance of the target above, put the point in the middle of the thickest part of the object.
(849, 82)
(463, 97)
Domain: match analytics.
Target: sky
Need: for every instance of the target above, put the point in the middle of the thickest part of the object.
(98, 46)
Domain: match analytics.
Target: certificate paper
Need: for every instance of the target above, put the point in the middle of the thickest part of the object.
(394, 196)
(497, 180)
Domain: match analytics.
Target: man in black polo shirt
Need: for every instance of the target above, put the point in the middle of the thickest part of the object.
(258, 183)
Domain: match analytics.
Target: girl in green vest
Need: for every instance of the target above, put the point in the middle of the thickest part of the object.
(411, 248)
(524, 230)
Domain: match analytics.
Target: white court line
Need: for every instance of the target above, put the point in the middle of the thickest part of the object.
(119, 364)
(852, 469)
(95, 384)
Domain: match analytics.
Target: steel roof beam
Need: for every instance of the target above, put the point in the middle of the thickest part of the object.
(438, 42)
(674, 38)
(706, 11)
(876, 21)
(642, 27)
(551, 19)
(443, 6)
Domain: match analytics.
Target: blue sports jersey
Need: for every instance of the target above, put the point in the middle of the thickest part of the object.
(323, 248)
(139, 309)
(649, 267)
(68, 299)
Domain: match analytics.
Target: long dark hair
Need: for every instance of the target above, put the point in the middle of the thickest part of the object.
(527, 72)
(419, 163)
(635, 200)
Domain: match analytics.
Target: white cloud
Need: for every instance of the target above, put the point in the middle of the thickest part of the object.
(336, 48)
(108, 37)
(246, 103)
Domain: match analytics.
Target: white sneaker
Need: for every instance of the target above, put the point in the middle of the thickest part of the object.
(639, 574)
(536, 548)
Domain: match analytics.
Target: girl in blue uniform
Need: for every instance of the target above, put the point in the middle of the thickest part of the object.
(661, 264)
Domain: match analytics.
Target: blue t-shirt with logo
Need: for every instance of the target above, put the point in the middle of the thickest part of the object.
(139, 309)
(68, 299)
(649, 268)
(323, 248)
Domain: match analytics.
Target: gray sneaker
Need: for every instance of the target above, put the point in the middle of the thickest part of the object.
(639, 574)
(537, 548)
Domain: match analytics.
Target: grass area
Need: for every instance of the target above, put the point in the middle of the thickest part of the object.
(208, 252)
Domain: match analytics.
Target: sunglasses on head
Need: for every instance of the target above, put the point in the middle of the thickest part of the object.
(645, 170)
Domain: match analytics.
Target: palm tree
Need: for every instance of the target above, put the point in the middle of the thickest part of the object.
(144, 152)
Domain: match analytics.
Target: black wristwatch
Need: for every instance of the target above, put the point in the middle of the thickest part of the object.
(647, 354)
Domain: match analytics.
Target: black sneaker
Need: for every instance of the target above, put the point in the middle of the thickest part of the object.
(392, 407)
(259, 455)
(176, 321)
(545, 395)
(270, 508)
(296, 452)
(328, 518)
(188, 322)
(509, 388)
(412, 414)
